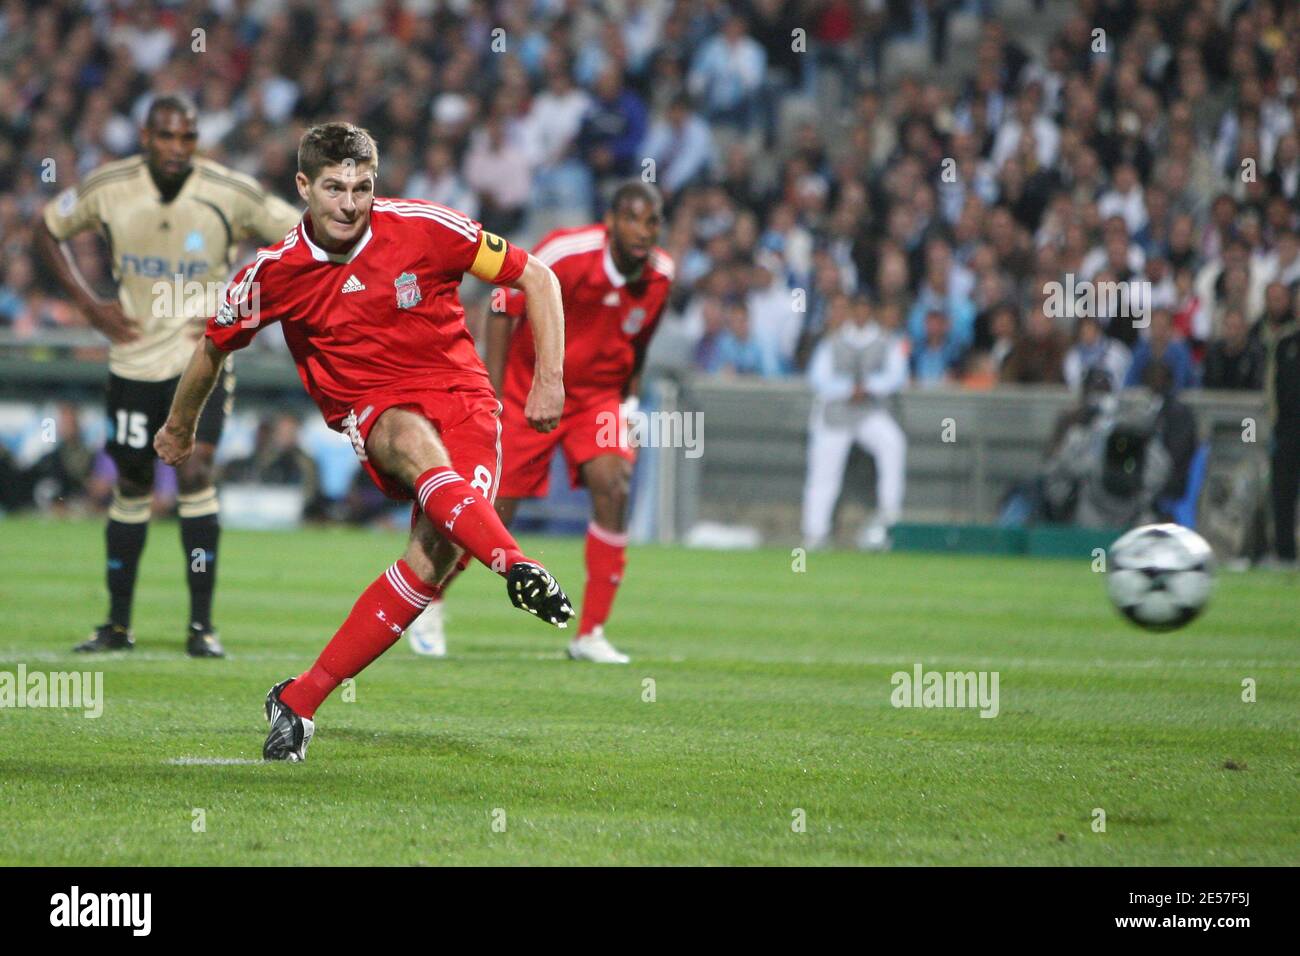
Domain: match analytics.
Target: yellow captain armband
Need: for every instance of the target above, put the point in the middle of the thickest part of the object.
(491, 256)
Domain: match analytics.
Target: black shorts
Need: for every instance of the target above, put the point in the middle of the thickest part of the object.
(136, 410)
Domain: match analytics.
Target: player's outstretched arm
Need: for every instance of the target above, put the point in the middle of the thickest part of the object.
(175, 440)
(546, 317)
(107, 317)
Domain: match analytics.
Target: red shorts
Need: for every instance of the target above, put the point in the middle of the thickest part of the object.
(467, 420)
(586, 431)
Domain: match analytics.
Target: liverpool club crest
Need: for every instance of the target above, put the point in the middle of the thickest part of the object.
(408, 290)
(635, 319)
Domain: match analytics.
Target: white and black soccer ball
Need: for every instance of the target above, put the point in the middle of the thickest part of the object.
(1160, 576)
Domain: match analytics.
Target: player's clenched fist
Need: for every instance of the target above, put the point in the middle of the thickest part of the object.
(172, 444)
(544, 405)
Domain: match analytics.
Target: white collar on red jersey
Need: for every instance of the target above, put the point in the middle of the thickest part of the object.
(616, 278)
(320, 255)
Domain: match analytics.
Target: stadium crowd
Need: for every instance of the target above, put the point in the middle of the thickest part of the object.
(1158, 142)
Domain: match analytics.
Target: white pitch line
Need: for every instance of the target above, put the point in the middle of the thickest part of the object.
(211, 761)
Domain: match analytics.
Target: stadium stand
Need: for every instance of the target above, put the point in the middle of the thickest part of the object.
(945, 160)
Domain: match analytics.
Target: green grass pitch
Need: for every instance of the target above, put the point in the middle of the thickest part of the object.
(772, 695)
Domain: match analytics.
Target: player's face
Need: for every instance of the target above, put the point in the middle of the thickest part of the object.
(634, 230)
(339, 201)
(169, 144)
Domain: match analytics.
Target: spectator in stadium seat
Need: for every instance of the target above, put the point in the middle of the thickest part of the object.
(771, 309)
(501, 172)
(1027, 119)
(935, 360)
(400, 114)
(994, 43)
(1277, 309)
(981, 368)
(605, 49)
(713, 322)
(739, 351)
(727, 76)
(1130, 307)
(946, 287)
(1003, 325)
(1160, 345)
(145, 38)
(1082, 173)
(1037, 356)
(1092, 348)
(439, 181)
(1235, 360)
(269, 94)
(1277, 218)
(614, 127)
(1125, 199)
(1117, 253)
(1191, 320)
(1187, 173)
(1159, 279)
(219, 117)
(1234, 292)
(1181, 247)
(681, 145)
(551, 129)
(827, 286)
(1283, 264)
(17, 285)
(1026, 187)
(1214, 238)
(1012, 245)
(1284, 177)
(454, 107)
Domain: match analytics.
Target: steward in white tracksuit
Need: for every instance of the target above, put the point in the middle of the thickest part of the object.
(853, 373)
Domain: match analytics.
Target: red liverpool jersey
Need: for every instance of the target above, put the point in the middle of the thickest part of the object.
(607, 318)
(384, 315)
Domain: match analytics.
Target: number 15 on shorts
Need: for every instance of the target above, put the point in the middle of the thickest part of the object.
(132, 429)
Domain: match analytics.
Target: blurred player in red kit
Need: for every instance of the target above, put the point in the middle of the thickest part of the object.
(615, 282)
(365, 291)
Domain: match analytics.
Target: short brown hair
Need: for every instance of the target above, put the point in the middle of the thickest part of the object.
(329, 144)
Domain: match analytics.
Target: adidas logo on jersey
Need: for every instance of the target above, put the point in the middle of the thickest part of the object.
(611, 298)
(353, 285)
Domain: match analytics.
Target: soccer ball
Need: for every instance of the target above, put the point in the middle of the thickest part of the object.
(1160, 576)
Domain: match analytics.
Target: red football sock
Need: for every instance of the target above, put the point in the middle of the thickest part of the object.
(459, 511)
(381, 614)
(606, 559)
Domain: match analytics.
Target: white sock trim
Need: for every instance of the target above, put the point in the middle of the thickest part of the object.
(404, 590)
(615, 539)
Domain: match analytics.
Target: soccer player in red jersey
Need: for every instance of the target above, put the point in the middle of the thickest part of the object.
(365, 291)
(615, 283)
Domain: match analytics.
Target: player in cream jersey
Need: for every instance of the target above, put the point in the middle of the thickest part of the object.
(173, 223)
